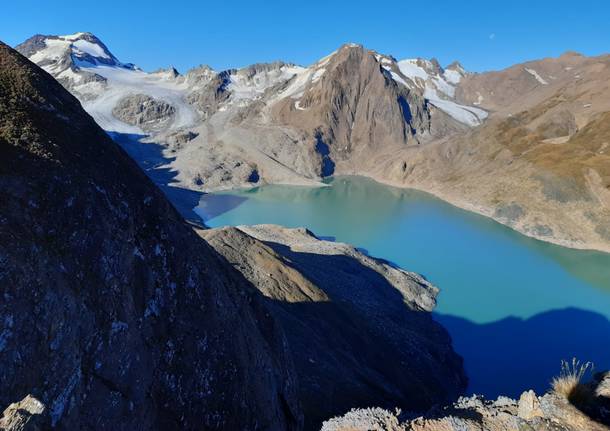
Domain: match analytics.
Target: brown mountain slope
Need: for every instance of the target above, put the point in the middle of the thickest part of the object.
(355, 107)
(539, 164)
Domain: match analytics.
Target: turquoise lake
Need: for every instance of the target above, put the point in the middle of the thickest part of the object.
(514, 306)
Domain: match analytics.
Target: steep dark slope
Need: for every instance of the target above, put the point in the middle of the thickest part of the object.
(114, 313)
(359, 330)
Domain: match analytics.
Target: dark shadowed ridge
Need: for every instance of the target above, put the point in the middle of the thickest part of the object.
(114, 313)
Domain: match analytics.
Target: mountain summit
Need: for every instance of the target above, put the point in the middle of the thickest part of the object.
(75, 48)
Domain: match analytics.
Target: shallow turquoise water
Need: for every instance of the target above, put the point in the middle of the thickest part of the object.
(514, 306)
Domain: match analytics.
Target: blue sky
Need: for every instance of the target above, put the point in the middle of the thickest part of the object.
(483, 35)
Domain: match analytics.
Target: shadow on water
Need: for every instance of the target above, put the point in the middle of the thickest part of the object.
(512, 355)
(149, 156)
(214, 205)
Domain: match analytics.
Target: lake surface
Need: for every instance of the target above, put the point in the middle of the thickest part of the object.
(514, 306)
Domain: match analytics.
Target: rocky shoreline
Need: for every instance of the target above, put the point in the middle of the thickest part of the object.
(489, 212)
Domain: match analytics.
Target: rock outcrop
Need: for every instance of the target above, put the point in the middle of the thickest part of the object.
(114, 313)
(144, 111)
(359, 330)
(29, 414)
(354, 106)
(549, 412)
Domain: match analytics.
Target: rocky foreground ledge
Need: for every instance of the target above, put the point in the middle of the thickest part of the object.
(587, 411)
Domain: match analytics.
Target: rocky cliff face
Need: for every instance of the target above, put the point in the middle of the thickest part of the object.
(360, 333)
(143, 111)
(115, 315)
(353, 106)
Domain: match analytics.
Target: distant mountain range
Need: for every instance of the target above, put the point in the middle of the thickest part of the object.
(528, 145)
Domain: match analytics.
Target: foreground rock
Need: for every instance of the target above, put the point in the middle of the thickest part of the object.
(143, 111)
(29, 414)
(114, 313)
(550, 412)
(359, 330)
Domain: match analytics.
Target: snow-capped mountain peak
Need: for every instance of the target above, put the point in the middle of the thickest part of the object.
(73, 50)
(437, 85)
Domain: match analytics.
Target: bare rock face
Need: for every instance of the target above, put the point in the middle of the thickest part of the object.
(359, 330)
(355, 107)
(550, 412)
(208, 90)
(603, 386)
(115, 314)
(29, 414)
(371, 419)
(529, 406)
(144, 111)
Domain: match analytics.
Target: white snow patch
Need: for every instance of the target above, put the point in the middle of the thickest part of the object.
(123, 82)
(396, 77)
(90, 48)
(54, 50)
(244, 88)
(535, 75)
(381, 59)
(452, 76)
(72, 37)
(297, 105)
(435, 85)
(443, 86)
(410, 69)
(297, 85)
(318, 74)
(464, 114)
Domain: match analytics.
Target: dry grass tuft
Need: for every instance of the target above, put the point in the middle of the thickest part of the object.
(568, 384)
